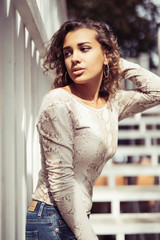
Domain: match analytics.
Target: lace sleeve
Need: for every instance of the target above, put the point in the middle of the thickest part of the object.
(146, 95)
(56, 129)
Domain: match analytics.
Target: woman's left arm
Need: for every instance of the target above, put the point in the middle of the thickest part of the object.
(146, 95)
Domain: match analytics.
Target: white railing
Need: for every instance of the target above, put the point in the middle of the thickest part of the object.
(22, 87)
(112, 186)
(116, 222)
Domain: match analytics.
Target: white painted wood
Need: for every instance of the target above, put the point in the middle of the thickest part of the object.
(1, 27)
(120, 236)
(19, 128)
(114, 194)
(145, 120)
(32, 19)
(144, 60)
(28, 116)
(139, 151)
(8, 123)
(22, 87)
(135, 134)
(115, 207)
(126, 193)
(130, 170)
(34, 109)
(134, 223)
(56, 14)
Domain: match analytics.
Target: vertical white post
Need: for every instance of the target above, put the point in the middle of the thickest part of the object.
(0, 153)
(28, 116)
(111, 180)
(1, 26)
(120, 236)
(115, 207)
(34, 109)
(8, 122)
(144, 60)
(19, 128)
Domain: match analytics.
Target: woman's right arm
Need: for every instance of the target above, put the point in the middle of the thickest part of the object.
(56, 131)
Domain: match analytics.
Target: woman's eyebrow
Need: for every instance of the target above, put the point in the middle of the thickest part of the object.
(66, 48)
(79, 44)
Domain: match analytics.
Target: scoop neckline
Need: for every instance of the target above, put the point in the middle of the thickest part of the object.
(83, 104)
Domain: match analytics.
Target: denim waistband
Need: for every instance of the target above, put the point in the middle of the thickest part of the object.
(43, 207)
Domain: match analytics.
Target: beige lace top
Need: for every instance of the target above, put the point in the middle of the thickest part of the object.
(76, 141)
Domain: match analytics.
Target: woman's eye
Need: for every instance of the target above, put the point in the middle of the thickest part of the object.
(67, 54)
(85, 49)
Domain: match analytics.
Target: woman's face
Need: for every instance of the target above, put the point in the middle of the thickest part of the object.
(83, 56)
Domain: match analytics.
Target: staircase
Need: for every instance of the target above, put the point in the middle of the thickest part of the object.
(132, 179)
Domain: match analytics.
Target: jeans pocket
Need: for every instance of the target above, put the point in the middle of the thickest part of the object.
(62, 231)
(32, 235)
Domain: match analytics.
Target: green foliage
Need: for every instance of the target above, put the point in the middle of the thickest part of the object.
(134, 22)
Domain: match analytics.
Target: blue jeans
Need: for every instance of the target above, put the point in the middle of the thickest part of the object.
(46, 223)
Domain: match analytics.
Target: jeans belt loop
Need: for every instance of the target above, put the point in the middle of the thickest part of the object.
(41, 209)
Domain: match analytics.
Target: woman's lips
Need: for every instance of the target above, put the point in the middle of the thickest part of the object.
(77, 71)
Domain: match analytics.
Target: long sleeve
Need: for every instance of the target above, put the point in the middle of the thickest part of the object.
(146, 95)
(56, 131)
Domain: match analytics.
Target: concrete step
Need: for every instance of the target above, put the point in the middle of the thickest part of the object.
(133, 223)
(130, 170)
(126, 193)
(136, 134)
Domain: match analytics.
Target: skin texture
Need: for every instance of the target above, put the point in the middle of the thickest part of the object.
(84, 61)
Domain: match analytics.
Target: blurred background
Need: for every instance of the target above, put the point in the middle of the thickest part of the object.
(134, 22)
(126, 198)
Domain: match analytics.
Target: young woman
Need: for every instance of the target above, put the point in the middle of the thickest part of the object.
(78, 126)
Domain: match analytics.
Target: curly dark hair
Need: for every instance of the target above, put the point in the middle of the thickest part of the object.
(55, 58)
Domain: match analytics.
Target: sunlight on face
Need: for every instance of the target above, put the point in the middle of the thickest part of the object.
(83, 55)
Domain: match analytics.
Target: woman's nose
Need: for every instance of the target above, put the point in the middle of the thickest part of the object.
(75, 57)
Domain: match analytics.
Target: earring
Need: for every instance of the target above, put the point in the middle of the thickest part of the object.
(106, 71)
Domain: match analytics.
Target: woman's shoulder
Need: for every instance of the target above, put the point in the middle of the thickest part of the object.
(57, 95)
(55, 98)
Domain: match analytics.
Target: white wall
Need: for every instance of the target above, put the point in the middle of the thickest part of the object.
(53, 14)
(22, 86)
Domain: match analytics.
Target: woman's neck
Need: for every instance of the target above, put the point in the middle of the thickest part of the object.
(86, 93)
